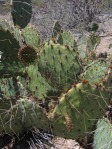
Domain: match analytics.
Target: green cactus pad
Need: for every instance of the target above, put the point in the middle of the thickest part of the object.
(6, 26)
(21, 11)
(57, 29)
(34, 82)
(11, 88)
(96, 72)
(82, 45)
(31, 37)
(78, 110)
(13, 30)
(92, 27)
(66, 38)
(23, 114)
(93, 41)
(9, 47)
(60, 65)
(87, 44)
(103, 135)
(110, 46)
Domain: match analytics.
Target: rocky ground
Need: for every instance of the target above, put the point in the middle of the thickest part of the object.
(106, 35)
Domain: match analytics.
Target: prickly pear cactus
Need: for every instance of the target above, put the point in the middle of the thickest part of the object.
(103, 135)
(31, 72)
(92, 27)
(21, 11)
(18, 112)
(31, 37)
(19, 109)
(93, 41)
(82, 44)
(6, 26)
(13, 30)
(16, 116)
(57, 29)
(60, 65)
(11, 88)
(110, 46)
(63, 37)
(9, 47)
(87, 44)
(34, 82)
(96, 72)
(78, 110)
(66, 38)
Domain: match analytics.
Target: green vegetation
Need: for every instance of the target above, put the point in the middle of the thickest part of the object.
(58, 86)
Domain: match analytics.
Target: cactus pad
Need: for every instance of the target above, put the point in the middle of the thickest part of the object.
(31, 37)
(11, 88)
(21, 11)
(60, 65)
(78, 110)
(103, 135)
(66, 38)
(93, 41)
(57, 29)
(87, 44)
(9, 47)
(17, 116)
(34, 82)
(96, 72)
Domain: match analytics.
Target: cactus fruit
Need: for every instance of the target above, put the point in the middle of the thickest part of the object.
(103, 135)
(27, 55)
(21, 11)
(16, 116)
(60, 65)
(57, 29)
(31, 37)
(78, 110)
